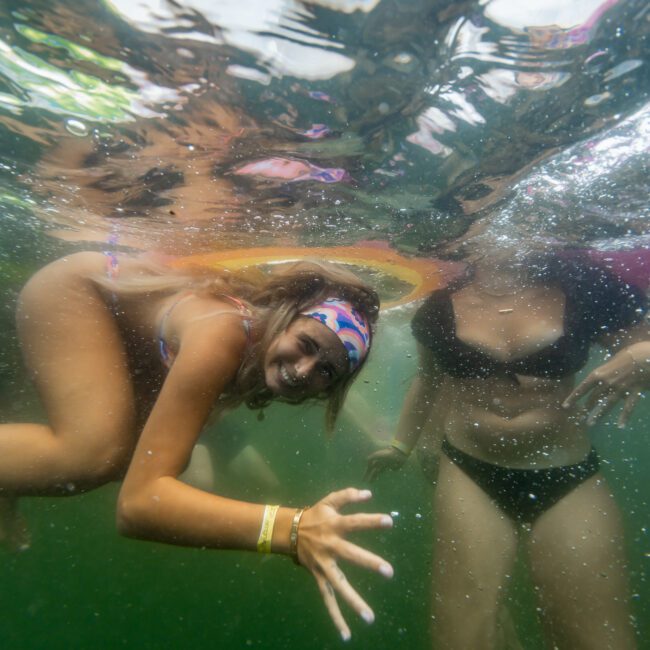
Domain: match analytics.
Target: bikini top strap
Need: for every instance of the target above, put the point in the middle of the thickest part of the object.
(245, 312)
(166, 353)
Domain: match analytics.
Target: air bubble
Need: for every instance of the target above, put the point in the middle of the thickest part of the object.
(76, 127)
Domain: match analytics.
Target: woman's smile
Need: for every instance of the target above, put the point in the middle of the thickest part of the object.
(288, 378)
(305, 360)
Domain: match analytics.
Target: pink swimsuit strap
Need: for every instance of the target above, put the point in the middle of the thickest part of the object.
(166, 353)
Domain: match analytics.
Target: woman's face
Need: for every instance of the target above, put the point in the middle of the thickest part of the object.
(305, 360)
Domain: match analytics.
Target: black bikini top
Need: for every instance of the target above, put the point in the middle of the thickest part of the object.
(596, 302)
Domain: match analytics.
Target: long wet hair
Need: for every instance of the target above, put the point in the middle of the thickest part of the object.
(275, 298)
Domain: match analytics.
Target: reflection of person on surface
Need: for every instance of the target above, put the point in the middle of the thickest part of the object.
(131, 359)
(500, 350)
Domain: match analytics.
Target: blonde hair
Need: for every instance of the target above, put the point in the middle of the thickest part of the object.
(275, 299)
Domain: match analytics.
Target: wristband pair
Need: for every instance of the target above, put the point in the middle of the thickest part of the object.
(266, 532)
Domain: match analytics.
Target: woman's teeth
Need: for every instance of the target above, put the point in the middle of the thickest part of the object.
(286, 377)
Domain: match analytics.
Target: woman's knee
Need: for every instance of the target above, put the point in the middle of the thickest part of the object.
(96, 461)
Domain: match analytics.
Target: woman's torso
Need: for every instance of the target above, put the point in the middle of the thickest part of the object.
(506, 415)
(507, 362)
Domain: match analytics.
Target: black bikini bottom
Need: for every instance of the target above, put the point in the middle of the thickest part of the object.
(523, 494)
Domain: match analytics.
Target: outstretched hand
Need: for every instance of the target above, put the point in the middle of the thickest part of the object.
(322, 543)
(621, 378)
(380, 461)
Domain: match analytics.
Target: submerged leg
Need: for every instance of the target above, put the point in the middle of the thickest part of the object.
(474, 554)
(578, 564)
(14, 534)
(75, 355)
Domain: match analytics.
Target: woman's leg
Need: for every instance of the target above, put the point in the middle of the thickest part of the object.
(475, 550)
(75, 355)
(578, 564)
(14, 534)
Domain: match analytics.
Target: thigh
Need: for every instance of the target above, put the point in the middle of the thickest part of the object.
(74, 352)
(475, 548)
(576, 551)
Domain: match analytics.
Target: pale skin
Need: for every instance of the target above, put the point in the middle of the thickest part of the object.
(115, 412)
(575, 548)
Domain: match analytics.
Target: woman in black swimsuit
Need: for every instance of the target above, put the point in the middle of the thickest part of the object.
(500, 350)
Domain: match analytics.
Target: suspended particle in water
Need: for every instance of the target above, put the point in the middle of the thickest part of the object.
(403, 58)
(76, 127)
(594, 100)
(622, 68)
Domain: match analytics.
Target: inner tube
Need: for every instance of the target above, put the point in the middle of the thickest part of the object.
(424, 275)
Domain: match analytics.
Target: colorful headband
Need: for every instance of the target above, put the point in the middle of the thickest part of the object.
(348, 324)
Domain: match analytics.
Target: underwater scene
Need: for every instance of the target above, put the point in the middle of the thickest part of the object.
(201, 201)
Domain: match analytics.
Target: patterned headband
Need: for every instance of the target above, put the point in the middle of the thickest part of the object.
(348, 324)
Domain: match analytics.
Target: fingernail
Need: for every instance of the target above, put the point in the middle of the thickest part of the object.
(365, 494)
(368, 616)
(345, 635)
(386, 522)
(386, 570)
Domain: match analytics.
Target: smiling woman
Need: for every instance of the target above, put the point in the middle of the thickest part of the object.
(306, 358)
(130, 359)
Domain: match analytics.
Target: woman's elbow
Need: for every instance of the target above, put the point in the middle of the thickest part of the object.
(130, 516)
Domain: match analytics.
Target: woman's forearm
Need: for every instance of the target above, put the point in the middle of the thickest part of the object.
(640, 354)
(172, 512)
(416, 411)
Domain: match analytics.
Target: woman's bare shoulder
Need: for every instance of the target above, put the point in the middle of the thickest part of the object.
(214, 323)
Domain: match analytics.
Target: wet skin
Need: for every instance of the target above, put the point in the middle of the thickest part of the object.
(306, 360)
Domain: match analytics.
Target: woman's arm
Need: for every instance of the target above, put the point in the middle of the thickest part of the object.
(623, 377)
(414, 416)
(153, 504)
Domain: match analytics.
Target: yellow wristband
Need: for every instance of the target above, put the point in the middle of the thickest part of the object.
(400, 446)
(266, 532)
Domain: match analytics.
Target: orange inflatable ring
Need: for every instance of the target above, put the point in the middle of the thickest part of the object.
(424, 275)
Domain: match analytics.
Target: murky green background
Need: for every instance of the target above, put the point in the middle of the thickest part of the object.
(128, 128)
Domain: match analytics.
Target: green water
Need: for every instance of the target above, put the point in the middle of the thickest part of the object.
(82, 586)
(125, 129)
